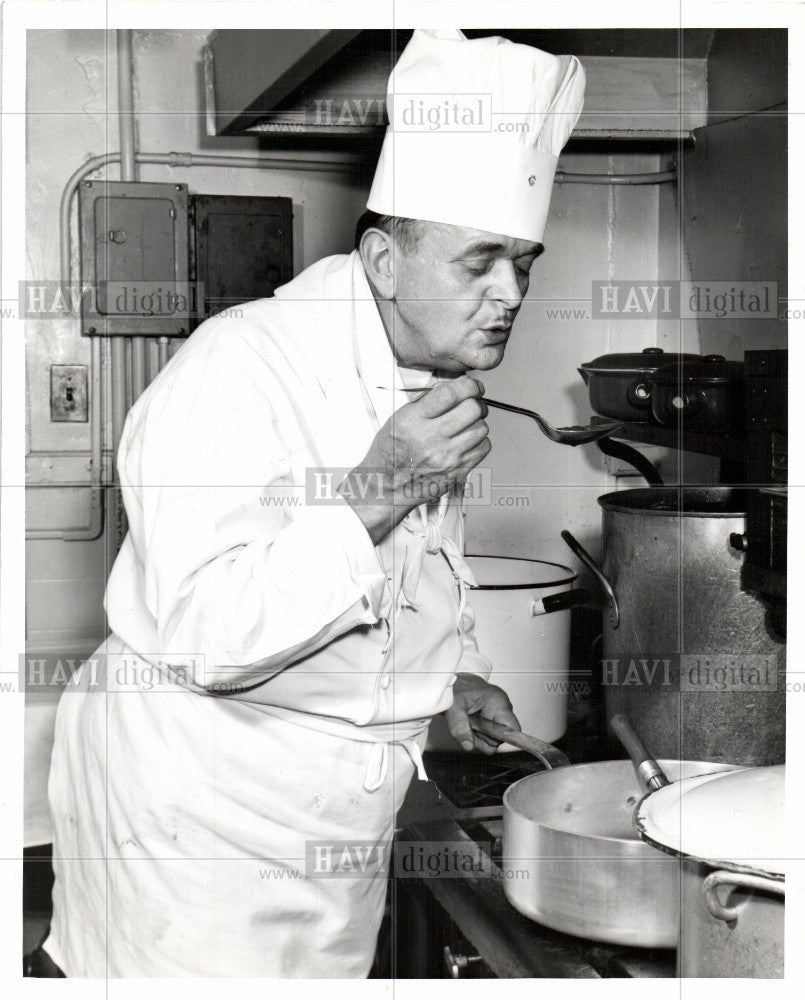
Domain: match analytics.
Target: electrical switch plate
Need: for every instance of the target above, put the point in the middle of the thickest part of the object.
(68, 394)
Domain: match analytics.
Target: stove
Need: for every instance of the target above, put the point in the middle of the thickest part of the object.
(475, 783)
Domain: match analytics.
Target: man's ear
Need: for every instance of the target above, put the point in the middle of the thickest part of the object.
(377, 253)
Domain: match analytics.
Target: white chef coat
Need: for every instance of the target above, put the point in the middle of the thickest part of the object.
(333, 654)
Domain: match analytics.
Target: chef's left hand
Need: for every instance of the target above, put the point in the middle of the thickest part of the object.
(472, 694)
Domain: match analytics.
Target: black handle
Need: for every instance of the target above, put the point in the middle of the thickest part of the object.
(584, 556)
(635, 458)
(561, 602)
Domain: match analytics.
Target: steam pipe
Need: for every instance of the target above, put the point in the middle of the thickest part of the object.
(659, 177)
(125, 105)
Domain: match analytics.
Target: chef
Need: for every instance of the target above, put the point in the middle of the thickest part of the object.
(289, 608)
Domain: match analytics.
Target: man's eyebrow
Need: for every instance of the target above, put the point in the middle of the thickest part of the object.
(480, 246)
(490, 246)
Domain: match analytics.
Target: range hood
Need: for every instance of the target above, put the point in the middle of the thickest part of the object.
(641, 84)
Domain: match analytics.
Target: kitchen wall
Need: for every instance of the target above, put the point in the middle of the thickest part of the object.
(594, 233)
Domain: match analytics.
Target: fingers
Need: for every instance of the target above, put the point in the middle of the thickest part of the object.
(500, 710)
(471, 458)
(458, 724)
(445, 396)
(467, 413)
(486, 744)
(503, 716)
(497, 708)
(471, 438)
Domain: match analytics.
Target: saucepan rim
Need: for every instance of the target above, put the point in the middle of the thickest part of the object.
(570, 578)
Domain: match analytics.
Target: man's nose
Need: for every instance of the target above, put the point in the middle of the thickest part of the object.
(506, 287)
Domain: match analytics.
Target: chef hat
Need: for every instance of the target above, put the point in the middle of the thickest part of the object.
(475, 130)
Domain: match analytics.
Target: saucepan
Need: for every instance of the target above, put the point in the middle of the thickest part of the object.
(572, 859)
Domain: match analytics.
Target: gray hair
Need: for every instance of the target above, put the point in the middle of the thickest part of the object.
(406, 232)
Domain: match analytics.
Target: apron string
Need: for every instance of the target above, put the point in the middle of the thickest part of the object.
(377, 768)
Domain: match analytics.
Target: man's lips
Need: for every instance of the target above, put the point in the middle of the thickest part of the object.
(497, 334)
(498, 326)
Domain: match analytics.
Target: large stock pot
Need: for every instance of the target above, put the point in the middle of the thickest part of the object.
(686, 653)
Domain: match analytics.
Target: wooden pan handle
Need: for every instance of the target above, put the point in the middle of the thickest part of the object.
(647, 769)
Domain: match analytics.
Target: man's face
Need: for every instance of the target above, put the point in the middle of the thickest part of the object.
(456, 296)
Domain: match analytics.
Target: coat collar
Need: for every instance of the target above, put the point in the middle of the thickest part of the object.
(374, 359)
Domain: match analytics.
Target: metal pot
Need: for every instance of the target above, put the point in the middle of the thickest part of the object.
(732, 914)
(686, 653)
(732, 926)
(522, 626)
(707, 394)
(619, 384)
(573, 861)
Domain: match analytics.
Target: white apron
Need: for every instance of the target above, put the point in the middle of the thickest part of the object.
(182, 848)
(182, 818)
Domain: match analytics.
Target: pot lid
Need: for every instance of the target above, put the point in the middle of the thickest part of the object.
(734, 819)
(713, 369)
(638, 362)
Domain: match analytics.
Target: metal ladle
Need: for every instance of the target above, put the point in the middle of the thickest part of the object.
(562, 435)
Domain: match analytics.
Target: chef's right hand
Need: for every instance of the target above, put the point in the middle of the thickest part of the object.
(424, 449)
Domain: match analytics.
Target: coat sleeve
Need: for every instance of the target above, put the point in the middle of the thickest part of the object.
(240, 577)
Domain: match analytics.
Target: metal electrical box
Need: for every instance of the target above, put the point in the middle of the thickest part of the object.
(134, 259)
(242, 250)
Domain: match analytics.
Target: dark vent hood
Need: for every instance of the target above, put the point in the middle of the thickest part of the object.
(641, 84)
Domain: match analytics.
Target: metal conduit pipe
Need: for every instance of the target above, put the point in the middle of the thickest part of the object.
(125, 104)
(162, 352)
(135, 354)
(139, 375)
(120, 372)
(126, 382)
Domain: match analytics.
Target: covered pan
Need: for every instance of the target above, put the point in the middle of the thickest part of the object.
(727, 832)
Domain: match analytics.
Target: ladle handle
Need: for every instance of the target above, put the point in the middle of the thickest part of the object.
(647, 769)
(550, 756)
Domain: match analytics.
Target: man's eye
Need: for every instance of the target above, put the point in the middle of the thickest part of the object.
(523, 268)
(477, 268)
